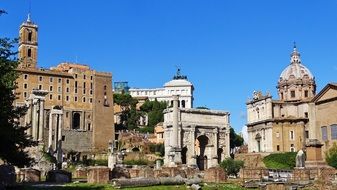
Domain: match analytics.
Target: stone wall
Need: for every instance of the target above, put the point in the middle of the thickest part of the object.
(215, 175)
(79, 141)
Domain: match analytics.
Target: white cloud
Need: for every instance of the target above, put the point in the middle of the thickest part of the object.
(244, 133)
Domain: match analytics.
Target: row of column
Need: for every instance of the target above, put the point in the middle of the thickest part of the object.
(35, 117)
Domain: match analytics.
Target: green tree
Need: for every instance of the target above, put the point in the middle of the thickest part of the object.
(154, 110)
(235, 139)
(129, 114)
(331, 156)
(231, 166)
(13, 139)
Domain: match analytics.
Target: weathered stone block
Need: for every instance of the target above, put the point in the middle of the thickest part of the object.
(29, 175)
(81, 173)
(119, 172)
(59, 176)
(215, 175)
(99, 174)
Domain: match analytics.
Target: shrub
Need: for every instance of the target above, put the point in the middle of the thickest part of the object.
(140, 162)
(146, 130)
(331, 156)
(280, 160)
(231, 166)
(91, 162)
(158, 149)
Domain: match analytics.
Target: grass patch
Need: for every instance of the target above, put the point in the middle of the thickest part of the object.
(280, 160)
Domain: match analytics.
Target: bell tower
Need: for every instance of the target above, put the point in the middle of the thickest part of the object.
(28, 44)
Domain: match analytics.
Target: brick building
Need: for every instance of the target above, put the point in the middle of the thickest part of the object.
(84, 95)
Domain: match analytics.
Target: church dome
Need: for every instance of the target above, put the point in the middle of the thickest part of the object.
(296, 70)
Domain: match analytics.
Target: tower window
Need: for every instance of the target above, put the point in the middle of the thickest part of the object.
(306, 114)
(278, 147)
(83, 99)
(84, 77)
(40, 78)
(51, 79)
(40, 87)
(67, 98)
(60, 80)
(59, 97)
(50, 97)
(30, 36)
(25, 77)
(75, 98)
(50, 88)
(29, 53)
(67, 81)
(25, 86)
(25, 94)
(306, 93)
(292, 93)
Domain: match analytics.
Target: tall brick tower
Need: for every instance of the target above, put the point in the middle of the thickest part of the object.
(28, 44)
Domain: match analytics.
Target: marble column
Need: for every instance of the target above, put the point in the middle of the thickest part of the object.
(175, 121)
(59, 138)
(193, 159)
(59, 142)
(56, 129)
(34, 120)
(41, 120)
(50, 132)
(228, 148)
(215, 148)
(29, 117)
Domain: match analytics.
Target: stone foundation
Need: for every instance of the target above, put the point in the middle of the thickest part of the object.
(99, 175)
(215, 175)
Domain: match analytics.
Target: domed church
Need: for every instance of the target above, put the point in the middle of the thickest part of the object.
(282, 125)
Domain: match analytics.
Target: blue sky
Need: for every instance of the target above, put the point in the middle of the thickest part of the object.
(227, 48)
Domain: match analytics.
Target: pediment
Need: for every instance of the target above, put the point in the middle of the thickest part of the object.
(329, 92)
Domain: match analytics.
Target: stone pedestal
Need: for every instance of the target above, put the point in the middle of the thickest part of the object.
(99, 175)
(59, 176)
(29, 175)
(81, 173)
(314, 154)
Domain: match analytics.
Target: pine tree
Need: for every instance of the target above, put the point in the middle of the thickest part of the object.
(13, 139)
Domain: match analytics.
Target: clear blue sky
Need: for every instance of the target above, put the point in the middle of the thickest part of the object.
(227, 48)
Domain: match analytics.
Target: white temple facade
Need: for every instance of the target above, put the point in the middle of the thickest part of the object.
(178, 86)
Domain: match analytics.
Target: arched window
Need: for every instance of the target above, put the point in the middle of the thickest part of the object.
(29, 53)
(30, 36)
(183, 104)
